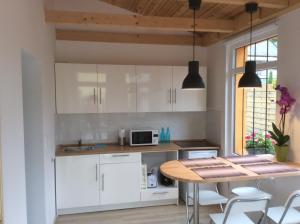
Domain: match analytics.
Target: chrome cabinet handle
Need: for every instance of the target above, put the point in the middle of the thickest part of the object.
(102, 179)
(170, 96)
(96, 172)
(94, 95)
(121, 155)
(100, 97)
(175, 96)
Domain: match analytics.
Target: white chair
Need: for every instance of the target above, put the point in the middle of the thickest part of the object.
(206, 197)
(237, 207)
(286, 214)
(250, 191)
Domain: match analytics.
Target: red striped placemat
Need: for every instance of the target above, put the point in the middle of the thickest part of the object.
(218, 172)
(241, 160)
(192, 163)
(269, 168)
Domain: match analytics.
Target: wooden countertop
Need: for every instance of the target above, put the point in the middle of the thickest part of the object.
(177, 171)
(115, 148)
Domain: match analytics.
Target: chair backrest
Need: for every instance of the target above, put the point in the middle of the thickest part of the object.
(240, 205)
(292, 202)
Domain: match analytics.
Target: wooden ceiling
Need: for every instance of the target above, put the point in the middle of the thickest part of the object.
(216, 20)
(177, 8)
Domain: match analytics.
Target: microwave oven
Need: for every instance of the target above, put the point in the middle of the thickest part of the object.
(143, 137)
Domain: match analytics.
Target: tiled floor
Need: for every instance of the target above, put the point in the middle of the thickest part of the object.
(161, 215)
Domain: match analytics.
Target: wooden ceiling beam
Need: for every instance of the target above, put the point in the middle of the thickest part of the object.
(137, 21)
(242, 22)
(95, 36)
(273, 4)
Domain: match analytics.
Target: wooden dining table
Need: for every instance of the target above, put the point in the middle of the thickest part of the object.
(225, 170)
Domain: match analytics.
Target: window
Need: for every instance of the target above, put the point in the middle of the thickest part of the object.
(255, 108)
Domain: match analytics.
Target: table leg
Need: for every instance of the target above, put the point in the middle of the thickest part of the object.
(196, 203)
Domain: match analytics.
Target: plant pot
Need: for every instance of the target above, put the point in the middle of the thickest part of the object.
(256, 151)
(281, 153)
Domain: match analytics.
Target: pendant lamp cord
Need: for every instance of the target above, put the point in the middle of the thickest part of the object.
(251, 29)
(194, 32)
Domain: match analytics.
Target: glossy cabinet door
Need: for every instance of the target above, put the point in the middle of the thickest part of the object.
(117, 88)
(120, 183)
(77, 181)
(188, 100)
(154, 88)
(76, 88)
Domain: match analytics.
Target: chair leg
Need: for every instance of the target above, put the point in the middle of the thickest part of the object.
(221, 205)
(187, 209)
(229, 190)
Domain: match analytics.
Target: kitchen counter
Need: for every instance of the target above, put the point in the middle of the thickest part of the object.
(115, 148)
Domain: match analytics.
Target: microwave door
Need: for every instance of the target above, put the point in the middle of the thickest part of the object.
(142, 138)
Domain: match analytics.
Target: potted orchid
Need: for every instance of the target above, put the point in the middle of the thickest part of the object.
(278, 134)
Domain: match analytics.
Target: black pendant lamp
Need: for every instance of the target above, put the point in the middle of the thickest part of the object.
(193, 80)
(250, 78)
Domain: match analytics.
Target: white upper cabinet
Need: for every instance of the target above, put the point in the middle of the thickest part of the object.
(76, 88)
(188, 100)
(117, 88)
(154, 88)
(87, 88)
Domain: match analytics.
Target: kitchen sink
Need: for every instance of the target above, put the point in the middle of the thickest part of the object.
(79, 148)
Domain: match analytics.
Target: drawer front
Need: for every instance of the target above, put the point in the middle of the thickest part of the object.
(120, 158)
(159, 194)
(203, 154)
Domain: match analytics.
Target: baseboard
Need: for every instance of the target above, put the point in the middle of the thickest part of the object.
(116, 207)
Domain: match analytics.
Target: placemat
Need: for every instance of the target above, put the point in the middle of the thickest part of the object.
(190, 163)
(240, 160)
(269, 168)
(218, 172)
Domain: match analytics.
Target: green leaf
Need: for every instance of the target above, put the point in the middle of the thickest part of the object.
(285, 139)
(277, 131)
(274, 136)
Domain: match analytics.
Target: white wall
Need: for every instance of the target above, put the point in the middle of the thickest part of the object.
(289, 73)
(26, 30)
(117, 53)
(216, 69)
(33, 139)
(104, 127)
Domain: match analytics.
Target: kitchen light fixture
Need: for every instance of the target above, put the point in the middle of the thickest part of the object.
(250, 78)
(193, 80)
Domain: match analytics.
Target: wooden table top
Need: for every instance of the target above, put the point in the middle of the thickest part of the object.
(176, 170)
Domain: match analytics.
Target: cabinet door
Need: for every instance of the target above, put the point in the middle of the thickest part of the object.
(188, 100)
(117, 88)
(76, 88)
(120, 183)
(154, 88)
(77, 181)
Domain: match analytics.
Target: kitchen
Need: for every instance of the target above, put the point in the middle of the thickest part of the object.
(86, 77)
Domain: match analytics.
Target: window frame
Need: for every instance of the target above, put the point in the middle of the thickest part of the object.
(229, 119)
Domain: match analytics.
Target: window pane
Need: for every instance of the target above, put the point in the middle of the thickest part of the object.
(255, 108)
(250, 52)
(261, 51)
(273, 47)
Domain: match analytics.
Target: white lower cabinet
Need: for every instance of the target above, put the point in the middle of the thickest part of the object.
(77, 181)
(88, 183)
(120, 183)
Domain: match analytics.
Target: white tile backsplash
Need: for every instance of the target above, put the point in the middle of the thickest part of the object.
(104, 127)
